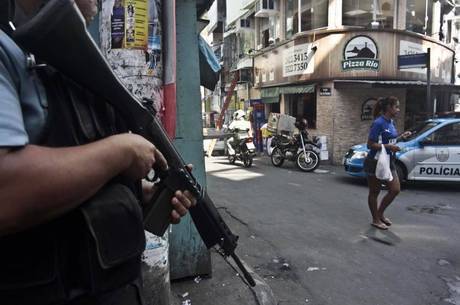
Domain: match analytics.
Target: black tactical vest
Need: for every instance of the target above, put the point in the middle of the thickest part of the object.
(93, 249)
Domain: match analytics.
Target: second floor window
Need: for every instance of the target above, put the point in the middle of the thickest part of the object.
(369, 13)
(419, 16)
(313, 14)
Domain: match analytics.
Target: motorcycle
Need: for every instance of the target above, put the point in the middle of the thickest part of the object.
(299, 149)
(242, 148)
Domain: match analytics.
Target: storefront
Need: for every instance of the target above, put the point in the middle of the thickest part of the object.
(334, 77)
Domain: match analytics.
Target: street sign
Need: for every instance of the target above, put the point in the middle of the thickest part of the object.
(325, 91)
(413, 61)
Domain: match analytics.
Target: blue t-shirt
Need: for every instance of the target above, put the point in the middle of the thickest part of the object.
(384, 130)
(22, 97)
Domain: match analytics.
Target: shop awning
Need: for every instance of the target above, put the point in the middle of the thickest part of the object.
(270, 100)
(209, 65)
(349, 84)
(276, 91)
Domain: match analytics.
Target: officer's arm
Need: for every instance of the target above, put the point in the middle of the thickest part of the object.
(39, 183)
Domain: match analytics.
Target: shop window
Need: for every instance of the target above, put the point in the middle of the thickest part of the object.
(369, 13)
(292, 17)
(419, 16)
(303, 106)
(313, 14)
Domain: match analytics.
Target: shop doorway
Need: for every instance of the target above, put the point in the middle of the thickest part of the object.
(302, 106)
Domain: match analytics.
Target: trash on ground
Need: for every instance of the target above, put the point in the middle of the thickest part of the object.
(187, 302)
(285, 266)
(443, 262)
(197, 279)
(312, 268)
(184, 295)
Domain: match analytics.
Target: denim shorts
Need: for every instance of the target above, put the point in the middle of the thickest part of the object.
(370, 164)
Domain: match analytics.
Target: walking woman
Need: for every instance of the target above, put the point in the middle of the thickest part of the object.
(383, 131)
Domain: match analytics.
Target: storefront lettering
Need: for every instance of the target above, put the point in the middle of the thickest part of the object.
(442, 171)
(364, 64)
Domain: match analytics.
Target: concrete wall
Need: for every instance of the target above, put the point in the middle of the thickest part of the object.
(339, 117)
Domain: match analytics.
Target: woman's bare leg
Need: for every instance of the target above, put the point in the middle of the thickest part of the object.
(374, 191)
(394, 188)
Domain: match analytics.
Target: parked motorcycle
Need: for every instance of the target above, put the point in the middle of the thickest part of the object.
(241, 147)
(299, 149)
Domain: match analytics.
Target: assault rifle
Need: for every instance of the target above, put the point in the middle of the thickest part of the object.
(57, 35)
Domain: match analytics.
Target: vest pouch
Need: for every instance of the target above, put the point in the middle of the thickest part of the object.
(115, 239)
(29, 268)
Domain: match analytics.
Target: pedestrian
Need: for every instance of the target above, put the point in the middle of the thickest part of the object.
(382, 131)
(71, 228)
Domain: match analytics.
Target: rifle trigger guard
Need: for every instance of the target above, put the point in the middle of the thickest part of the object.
(179, 179)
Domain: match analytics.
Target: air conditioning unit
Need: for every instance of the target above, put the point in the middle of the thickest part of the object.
(266, 8)
(243, 24)
(245, 75)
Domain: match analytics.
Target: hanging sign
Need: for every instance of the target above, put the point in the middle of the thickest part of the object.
(298, 60)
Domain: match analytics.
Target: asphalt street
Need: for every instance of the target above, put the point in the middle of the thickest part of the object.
(309, 236)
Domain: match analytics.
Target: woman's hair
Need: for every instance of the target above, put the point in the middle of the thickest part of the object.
(382, 105)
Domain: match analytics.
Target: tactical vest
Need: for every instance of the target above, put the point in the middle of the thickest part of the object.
(93, 249)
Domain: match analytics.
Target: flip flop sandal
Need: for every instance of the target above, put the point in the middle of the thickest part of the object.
(380, 226)
(386, 221)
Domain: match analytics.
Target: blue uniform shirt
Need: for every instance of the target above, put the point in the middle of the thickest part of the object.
(384, 130)
(22, 98)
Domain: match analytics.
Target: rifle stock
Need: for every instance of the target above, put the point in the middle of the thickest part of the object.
(57, 35)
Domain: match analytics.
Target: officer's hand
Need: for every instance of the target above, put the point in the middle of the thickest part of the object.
(181, 202)
(142, 156)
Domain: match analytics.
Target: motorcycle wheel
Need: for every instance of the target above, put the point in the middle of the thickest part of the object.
(247, 161)
(309, 162)
(277, 157)
(231, 159)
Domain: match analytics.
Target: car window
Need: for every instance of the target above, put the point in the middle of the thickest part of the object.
(419, 129)
(447, 135)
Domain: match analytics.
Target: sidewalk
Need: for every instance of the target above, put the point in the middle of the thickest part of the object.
(225, 287)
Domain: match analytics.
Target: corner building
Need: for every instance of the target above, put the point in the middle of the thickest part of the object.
(329, 61)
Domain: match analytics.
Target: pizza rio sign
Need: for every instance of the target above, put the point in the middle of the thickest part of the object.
(360, 53)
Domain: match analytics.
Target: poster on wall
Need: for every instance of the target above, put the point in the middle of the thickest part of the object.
(154, 39)
(129, 24)
(117, 24)
(410, 48)
(298, 60)
(139, 68)
(136, 24)
(367, 108)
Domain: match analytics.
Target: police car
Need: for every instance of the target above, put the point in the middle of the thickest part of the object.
(431, 153)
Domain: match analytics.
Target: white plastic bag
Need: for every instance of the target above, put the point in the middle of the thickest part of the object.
(383, 170)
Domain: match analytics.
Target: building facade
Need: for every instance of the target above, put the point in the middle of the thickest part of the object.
(330, 60)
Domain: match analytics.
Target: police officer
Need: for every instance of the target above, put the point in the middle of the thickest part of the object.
(57, 245)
